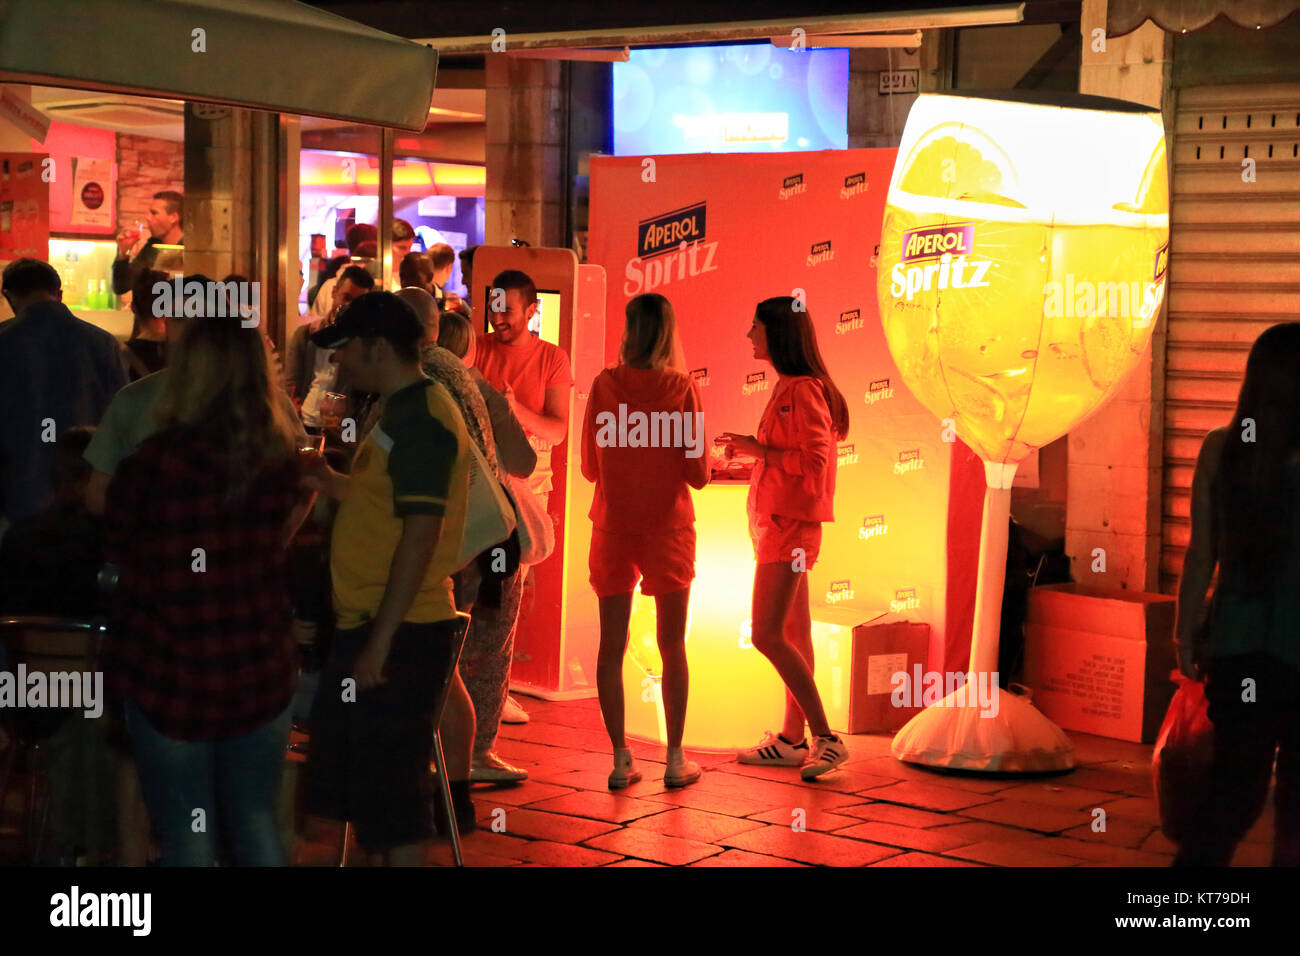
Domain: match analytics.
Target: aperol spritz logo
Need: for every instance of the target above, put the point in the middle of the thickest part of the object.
(670, 246)
(663, 233)
(854, 185)
(936, 258)
(820, 252)
(934, 241)
(873, 526)
(839, 591)
(909, 461)
(755, 382)
(878, 391)
(792, 186)
(905, 599)
(850, 321)
(846, 454)
(701, 377)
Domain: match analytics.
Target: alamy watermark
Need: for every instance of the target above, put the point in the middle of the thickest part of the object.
(955, 689)
(1085, 299)
(127, 910)
(56, 690)
(182, 298)
(653, 430)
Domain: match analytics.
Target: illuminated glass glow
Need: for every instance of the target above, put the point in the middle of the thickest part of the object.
(735, 693)
(1022, 263)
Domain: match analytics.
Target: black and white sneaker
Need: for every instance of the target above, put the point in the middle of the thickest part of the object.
(828, 753)
(775, 752)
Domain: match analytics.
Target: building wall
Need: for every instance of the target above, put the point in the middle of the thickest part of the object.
(527, 118)
(1115, 472)
(145, 165)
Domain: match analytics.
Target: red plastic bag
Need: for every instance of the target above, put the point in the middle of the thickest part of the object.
(1183, 757)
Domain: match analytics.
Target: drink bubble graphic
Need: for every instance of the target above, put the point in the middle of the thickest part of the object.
(1020, 273)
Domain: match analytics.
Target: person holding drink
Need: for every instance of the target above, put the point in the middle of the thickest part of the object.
(163, 227)
(309, 373)
(392, 552)
(791, 492)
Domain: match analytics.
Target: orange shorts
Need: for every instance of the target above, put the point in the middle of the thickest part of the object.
(777, 538)
(663, 560)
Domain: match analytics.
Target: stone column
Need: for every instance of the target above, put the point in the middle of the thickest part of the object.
(526, 192)
(218, 213)
(1115, 458)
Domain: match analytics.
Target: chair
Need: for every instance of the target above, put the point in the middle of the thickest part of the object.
(44, 645)
(444, 784)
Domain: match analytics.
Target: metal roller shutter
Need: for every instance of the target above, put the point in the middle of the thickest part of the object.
(1234, 268)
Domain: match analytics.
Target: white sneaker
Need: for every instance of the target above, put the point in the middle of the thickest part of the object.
(513, 713)
(624, 773)
(492, 769)
(681, 774)
(828, 753)
(775, 752)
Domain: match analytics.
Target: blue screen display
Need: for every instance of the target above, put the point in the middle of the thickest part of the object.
(730, 99)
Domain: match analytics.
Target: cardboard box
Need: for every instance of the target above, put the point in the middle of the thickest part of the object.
(1098, 661)
(855, 664)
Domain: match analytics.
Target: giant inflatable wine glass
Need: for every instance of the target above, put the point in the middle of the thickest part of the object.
(1021, 271)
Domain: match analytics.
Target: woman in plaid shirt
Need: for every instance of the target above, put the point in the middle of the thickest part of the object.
(197, 521)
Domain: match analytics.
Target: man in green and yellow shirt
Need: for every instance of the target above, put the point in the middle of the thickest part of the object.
(393, 550)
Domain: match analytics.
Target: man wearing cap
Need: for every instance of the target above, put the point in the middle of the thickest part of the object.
(308, 370)
(393, 550)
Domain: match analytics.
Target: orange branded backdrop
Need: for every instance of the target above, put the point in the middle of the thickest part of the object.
(718, 233)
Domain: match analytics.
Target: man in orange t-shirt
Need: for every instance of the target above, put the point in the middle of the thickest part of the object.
(535, 377)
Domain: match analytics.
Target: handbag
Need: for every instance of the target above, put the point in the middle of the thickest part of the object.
(536, 530)
(1183, 758)
(489, 515)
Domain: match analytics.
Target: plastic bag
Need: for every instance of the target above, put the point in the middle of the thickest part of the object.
(1183, 758)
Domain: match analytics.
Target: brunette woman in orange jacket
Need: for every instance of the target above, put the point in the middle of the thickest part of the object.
(791, 493)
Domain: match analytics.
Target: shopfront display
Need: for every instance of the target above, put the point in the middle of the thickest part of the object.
(726, 233)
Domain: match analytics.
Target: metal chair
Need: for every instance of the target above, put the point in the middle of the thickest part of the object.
(444, 784)
(44, 644)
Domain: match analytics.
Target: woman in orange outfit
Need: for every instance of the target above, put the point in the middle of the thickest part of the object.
(791, 493)
(642, 516)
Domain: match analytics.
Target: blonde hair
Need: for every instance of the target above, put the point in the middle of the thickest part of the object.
(650, 339)
(218, 381)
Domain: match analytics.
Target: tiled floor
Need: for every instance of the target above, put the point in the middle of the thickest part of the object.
(874, 811)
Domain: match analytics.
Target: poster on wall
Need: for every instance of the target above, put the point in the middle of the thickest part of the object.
(92, 192)
(24, 207)
(716, 234)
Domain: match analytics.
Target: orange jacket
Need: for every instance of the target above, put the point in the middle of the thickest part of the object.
(641, 489)
(800, 482)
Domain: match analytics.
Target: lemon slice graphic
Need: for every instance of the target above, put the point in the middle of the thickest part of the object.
(954, 161)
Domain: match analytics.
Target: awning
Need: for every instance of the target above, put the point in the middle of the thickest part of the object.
(1183, 16)
(272, 55)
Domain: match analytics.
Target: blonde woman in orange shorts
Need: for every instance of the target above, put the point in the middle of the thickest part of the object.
(643, 520)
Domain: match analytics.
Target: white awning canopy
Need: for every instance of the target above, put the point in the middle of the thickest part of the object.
(273, 55)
